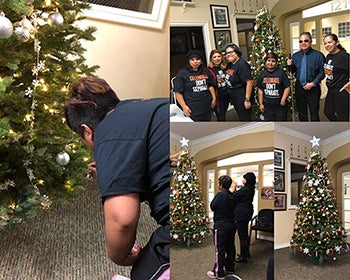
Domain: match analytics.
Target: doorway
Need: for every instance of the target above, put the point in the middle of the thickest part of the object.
(245, 30)
(346, 200)
(182, 40)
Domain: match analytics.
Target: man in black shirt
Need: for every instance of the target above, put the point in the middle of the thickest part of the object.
(130, 140)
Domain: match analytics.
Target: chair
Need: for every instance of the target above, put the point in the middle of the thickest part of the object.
(264, 221)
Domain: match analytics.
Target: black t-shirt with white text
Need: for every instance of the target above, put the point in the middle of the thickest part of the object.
(336, 69)
(273, 84)
(194, 86)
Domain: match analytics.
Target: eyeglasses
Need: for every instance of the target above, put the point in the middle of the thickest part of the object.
(304, 41)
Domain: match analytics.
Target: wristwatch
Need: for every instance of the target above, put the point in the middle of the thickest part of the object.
(247, 100)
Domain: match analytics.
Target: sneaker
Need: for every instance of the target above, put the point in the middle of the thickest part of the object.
(232, 277)
(119, 277)
(212, 275)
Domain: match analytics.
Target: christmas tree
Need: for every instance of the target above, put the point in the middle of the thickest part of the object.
(188, 217)
(266, 39)
(41, 54)
(318, 232)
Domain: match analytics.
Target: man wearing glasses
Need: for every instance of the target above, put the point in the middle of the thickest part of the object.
(307, 64)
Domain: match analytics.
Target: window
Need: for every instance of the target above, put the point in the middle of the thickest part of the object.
(343, 29)
(326, 30)
(245, 158)
(146, 13)
(294, 31)
(142, 6)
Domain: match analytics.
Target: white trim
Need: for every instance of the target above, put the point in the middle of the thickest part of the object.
(152, 20)
(205, 27)
(282, 245)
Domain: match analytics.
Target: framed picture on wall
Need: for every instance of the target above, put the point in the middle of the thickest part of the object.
(220, 16)
(279, 181)
(280, 201)
(222, 38)
(278, 159)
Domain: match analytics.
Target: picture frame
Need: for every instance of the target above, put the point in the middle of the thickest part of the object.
(279, 181)
(267, 193)
(280, 201)
(220, 16)
(278, 159)
(222, 38)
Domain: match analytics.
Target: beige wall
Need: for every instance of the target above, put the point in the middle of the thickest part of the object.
(233, 146)
(132, 59)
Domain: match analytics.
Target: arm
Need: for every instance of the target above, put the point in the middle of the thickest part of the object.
(346, 87)
(285, 96)
(181, 100)
(319, 64)
(213, 97)
(121, 218)
(260, 97)
(248, 93)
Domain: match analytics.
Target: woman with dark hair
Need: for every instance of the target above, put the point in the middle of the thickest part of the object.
(216, 68)
(244, 212)
(239, 82)
(194, 88)
(336, 69)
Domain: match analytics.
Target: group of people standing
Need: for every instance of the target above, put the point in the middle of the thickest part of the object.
(201, 90)
(233, 209)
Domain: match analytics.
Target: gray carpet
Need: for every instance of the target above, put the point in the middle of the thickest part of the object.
(66, 243)
(297, 267)
(192, 263)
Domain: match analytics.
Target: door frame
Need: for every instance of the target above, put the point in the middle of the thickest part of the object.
(205, 30)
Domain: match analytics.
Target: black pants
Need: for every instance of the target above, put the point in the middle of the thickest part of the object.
(223, 101)
(202, 117)
(336, 107)
(308, 101)
(276, 112)
(237, 97)
(242, 229)
(154, 258)
(225, 251)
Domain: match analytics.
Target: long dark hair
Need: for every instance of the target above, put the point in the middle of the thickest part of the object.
(335, 38)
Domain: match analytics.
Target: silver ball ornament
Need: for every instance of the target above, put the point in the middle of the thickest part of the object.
(6, 28)
(22, 33)
(63, 158)
(55, 18)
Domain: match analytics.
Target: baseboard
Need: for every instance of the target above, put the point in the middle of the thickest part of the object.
(282, 246)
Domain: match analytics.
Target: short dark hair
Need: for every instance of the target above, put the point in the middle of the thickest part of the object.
(271, 55)
(89, 101)
(225, 181)
(235, 48)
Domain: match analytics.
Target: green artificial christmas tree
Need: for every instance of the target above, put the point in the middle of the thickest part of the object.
(41, 54)
(266, 38)
(318, 232)
(188, 217)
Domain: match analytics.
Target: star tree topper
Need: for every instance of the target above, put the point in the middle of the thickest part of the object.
(315, 141)
(184, 142)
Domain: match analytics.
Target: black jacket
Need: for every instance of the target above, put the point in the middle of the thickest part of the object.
(244, 208)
